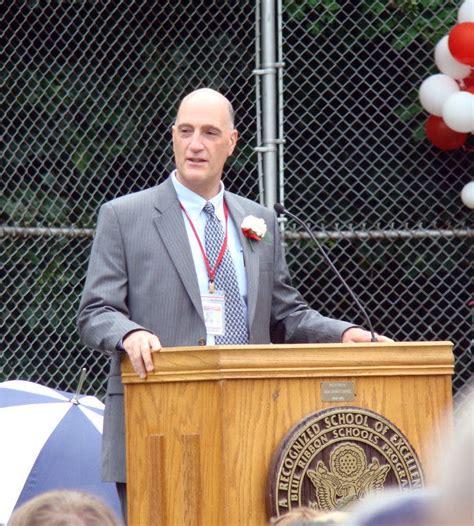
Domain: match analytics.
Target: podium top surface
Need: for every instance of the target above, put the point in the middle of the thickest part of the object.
(226, 362)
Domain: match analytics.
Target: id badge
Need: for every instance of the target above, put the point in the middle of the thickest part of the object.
(213, 306)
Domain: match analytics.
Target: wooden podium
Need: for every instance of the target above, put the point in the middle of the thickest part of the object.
(202, 429)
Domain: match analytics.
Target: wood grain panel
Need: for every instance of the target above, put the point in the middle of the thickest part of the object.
(220, 413)
(297, 361)
(187, 418)
(192, 482)
(156, 478)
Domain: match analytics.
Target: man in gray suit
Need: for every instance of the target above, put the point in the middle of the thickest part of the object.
(150, 283)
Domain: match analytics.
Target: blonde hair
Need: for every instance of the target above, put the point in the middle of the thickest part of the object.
(64, 508)
(305, 514)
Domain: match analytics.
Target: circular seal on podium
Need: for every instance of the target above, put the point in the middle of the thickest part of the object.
(334, 457)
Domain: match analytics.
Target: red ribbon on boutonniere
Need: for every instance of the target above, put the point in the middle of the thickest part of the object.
(254, 228)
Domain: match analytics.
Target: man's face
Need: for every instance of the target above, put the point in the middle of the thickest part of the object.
(203, 138)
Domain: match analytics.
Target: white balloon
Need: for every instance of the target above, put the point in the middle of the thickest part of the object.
(447, 64)
(458, 112)
(467, 195)
(466, 12)
(435, 91)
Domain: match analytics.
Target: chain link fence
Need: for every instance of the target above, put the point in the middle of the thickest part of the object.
(358, 167)
(90, 94)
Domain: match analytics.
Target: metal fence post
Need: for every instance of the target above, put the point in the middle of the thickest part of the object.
(269, 103)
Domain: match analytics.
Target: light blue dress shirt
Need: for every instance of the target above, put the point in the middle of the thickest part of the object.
(194, 204)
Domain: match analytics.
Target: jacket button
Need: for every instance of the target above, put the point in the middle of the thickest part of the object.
(202, 341)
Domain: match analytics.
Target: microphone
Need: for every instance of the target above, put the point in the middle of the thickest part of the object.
(280, 209)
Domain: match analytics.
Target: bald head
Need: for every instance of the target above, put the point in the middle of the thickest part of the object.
(203, 138)
(206, 97)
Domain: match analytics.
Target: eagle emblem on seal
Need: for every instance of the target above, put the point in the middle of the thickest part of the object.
(349, 477)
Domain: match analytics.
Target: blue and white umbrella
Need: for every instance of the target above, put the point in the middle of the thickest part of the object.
(49, 440)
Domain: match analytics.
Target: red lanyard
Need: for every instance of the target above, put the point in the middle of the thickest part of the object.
(211, 272)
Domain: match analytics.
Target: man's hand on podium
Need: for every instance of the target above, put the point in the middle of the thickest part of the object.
(139, 345)
(358, 335)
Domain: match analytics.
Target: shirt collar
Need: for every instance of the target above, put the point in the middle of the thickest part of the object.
(194, 203)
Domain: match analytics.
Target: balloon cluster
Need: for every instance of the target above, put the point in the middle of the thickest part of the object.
(449, 96)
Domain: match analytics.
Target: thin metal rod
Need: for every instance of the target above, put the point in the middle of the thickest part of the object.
(75, 399)
(15, 231)
(333, 267)
(381, 234)
(404, 233)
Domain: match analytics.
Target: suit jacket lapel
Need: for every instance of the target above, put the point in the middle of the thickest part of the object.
(170, 227)
(251, 258)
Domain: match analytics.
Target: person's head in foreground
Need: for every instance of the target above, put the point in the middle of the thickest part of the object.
(64, 508)
(448, 500)
(306, 515)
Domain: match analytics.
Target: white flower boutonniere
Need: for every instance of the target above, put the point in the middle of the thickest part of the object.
(254, 227)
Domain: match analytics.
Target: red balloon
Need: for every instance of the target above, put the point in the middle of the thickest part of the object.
(441, 136)
(461, 43)
(470, 89)
(469, 80)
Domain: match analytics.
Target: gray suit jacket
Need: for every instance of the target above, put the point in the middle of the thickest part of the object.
(141, 275)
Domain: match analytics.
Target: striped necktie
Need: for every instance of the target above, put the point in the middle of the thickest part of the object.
(236, 331)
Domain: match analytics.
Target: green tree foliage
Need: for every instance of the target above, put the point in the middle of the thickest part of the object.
(400, 23)
(404, 20)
